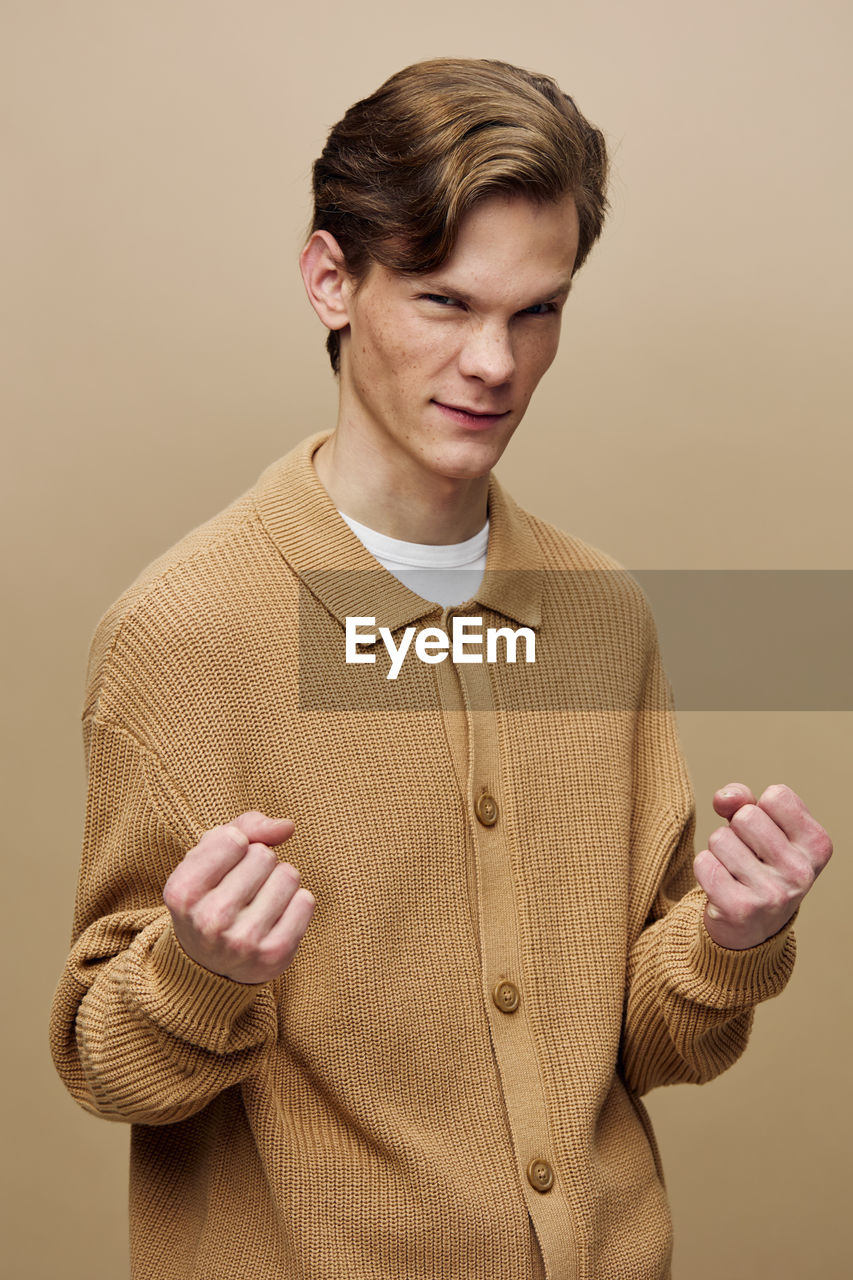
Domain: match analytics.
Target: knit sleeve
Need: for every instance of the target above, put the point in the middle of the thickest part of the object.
(140, 1032)
(690, 1002)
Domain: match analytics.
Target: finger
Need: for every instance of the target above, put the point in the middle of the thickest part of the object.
(755, 827)
(730, 798)
(785, 861)
(739, 859)
(205, 865)
(269, 904)
(788, 812)
(727, 897)
(258, 827)
(239, 887)
(283, 939)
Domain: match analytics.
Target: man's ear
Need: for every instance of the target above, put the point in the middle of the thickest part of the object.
(327, 281)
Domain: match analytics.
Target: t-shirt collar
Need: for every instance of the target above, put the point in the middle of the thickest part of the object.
(302, 521)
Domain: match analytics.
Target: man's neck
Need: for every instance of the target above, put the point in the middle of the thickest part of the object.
(399, 500)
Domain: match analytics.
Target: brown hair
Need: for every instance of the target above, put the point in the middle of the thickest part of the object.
(402, 168)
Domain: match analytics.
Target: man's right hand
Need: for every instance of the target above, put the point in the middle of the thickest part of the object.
(235, 908)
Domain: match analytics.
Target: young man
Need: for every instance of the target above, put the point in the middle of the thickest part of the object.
(413, 1041)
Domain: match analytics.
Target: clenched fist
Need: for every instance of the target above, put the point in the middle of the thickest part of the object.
(757, 870)
(235, 908)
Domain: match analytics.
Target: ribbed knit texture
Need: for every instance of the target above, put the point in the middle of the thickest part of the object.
(372, 1113)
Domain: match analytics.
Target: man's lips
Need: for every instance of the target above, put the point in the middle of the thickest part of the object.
(471, 417)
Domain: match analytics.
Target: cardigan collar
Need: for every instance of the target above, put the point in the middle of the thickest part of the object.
(303, 522)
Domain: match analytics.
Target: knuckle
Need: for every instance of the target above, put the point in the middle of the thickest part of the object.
(281, 879)
(263, 856)
(791, 900)
(821, 850)
(740, 914)
(801, 878)
(285, 876)
(206, 842)
(209, 922)
(780, 897)
(706, 867)
(176, 894)
(279, 957)
(776, 791)
(234, 835)
(252, 816)
(174, 899)
(744, 818)
(774, 895)
(241, 947)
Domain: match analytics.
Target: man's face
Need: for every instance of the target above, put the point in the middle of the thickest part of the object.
(437, 370)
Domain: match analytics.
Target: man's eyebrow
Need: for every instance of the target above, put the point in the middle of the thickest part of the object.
(444, 288)
(562, 290)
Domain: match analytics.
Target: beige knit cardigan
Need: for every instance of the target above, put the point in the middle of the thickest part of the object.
(507, 948)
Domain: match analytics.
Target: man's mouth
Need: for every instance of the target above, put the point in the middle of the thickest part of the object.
(469, 416)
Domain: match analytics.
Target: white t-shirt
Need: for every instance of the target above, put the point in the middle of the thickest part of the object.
(448, 575)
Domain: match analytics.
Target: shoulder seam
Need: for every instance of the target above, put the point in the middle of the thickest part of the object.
(107, 722)
(150, 761)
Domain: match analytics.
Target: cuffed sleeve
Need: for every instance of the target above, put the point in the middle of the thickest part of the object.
(139, 1031)
(701, 970)
(198, 1006)
(690, 1002)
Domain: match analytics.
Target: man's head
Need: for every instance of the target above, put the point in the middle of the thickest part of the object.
(403, 167)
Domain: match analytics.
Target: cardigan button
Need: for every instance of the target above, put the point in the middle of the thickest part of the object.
(486, 809)
(506, 997)
(540, 1175)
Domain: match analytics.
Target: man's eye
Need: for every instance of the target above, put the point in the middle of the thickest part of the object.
(440, 298)
(540, 309)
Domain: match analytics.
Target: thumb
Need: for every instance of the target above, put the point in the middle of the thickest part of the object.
(260, 829)
(731, 797)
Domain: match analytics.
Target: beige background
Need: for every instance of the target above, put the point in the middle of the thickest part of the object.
(160, 353)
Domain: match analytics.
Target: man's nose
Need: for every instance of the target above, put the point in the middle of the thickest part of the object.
(488, 355)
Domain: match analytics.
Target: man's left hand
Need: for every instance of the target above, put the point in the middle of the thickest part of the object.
(757, 870)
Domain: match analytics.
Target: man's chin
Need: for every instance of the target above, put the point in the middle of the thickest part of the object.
(468, 468)
(473, 458)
